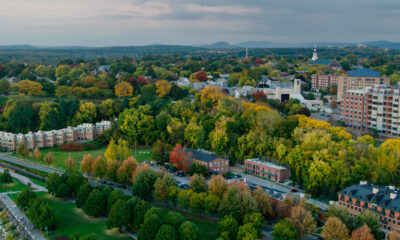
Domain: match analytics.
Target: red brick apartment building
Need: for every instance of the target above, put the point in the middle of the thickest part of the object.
(266, 170)
(375, 107)
(323, 81)
(213, 163)
(382, 200)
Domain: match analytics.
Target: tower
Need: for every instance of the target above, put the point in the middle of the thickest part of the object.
(315, 55)
(247, 53)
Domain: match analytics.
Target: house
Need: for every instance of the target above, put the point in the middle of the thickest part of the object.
(268, 170)
(213, 162)
(384, 201)
(330, 64)
(86, 131)
(101, 126)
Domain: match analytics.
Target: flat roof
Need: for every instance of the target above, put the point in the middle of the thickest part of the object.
(266, 164)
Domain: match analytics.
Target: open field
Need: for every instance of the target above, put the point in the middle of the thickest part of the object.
(11, 187)
(60, 157)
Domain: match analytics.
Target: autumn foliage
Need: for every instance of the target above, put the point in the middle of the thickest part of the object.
(201, 76)
(177, 156)
(259, 96)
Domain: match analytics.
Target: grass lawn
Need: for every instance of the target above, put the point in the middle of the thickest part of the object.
(60, 157)
(207, 228)
(11, 187)
(71, 219)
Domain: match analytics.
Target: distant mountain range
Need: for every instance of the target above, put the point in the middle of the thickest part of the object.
(216, 45)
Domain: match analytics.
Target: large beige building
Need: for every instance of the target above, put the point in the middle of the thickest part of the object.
(359, 79)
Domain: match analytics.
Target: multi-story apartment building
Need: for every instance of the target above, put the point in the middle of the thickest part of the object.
(359, 79)
(383, 112)
(382, 200)
(375, 107)
(86, 131)
(323, 81)
(210, 160)
(266, 170)
(101, 126)
(353, 108)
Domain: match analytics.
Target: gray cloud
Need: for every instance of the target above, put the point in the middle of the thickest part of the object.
(133, 22)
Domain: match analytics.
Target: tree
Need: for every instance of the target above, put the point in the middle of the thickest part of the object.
(247, 232)
(256, 220)
(29, 87)
(112, 170)
(184, 198)
(195, 168)
(83, 194)
(86, 164)
(22, 149)
(229, 226)
(188, 231)
(217, 186)
(201, 76)
(63, 191)
(211, 204)
(49, 116)
(362, 233)
(394, 236)
(150, 228)
(372, 221)
(334, 229)
(198, 183)
(138, 124)
(117, 218)
(163, 88)
(167, 232)
(109, 108)
(341, 213)
(176, 156)
(162, 187)
(119, 152)
(139, 212)
(53, 181)
(219, 136)
(87, 113)
(259, 97)
(70, 162)
(5, 177)
(114, 196)
(24, 198)
(75, 180)
(143, 183)
(42, 215)
(49, 158)
(285, 230)
(237, 202)
(174, 219)
(99, 167)
(123, 89)
(37, 154)
(264, 202)
(302, 220)
(95, 204)
(5, 86)
(127, 168)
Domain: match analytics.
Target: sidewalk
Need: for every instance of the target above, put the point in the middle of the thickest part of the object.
(25, 181)
(21, 219)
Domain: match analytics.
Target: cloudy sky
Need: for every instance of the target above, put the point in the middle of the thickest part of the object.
(189, 22)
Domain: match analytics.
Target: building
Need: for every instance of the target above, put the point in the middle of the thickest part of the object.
(86, 131)
(266, 170)
(359, 79)
(101, 126)
(213, 163)
(330, 64)
(323, 81)
(353, 108)
(375, 107)
(315, 54)
(382, 200)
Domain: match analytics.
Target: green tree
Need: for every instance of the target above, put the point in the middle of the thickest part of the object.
(211, 204)
(162, 187)
(150, 228)
(167, 232)
(24, 198)
(247, 232)
(63, 191)
(5, 177)
(42, 215)
(119, 152)
(229, 226)
(237, 202)
(22, 150)
(99, 167)
(138, 124)
(5, 86)
(188, 231)
(174, 219)
(302, 220)
(113, 197)
(87, 113)
(117, 218)
(95, 204)
(285, 230)
(372, 221)
(139, 212)
(83, 194)
(198, 183)
(143, 183)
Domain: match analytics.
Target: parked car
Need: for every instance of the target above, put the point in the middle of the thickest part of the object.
(183, 186)
(293, 190)
(181, 174)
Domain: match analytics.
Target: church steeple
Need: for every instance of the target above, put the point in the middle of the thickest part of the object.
(315, 54)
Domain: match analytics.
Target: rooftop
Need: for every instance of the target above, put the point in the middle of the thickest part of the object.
(266, 164)
(363, 72)
(325, 62)
(202, 155)
(384, 196)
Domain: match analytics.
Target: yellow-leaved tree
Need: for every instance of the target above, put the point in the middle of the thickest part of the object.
(123, 89)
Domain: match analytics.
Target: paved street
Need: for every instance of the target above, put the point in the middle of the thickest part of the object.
(28, 164)
(20, 217)
(25, 181)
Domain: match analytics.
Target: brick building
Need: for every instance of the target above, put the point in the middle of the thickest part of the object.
(323, 81)
(382, 200)
(266, 170)
(213, 163)
(359, 79)
(375, 107)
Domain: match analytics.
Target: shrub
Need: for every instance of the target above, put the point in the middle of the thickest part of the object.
(71, 147)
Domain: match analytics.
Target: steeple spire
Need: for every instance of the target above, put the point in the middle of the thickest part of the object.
(315, 54)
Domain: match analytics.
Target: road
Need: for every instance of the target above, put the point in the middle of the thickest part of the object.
(28, 164)
(25, 181)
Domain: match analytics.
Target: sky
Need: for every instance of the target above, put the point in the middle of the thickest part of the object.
(195, 22)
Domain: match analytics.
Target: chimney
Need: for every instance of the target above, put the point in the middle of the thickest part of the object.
(393, 195)
(392, 187)
(375, 190)
(363, 182)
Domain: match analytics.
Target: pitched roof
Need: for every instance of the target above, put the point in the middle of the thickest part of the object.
(202, 155)
(363, 72)
(325, 62)
(381, 198)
